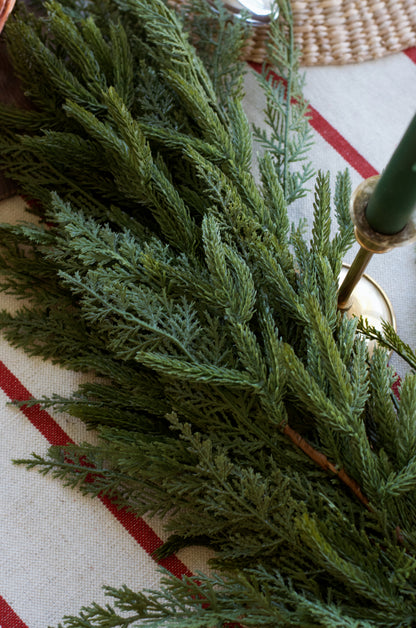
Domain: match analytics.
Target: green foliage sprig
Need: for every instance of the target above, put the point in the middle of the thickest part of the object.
(229, 391)
(289, 134)
(388, 338)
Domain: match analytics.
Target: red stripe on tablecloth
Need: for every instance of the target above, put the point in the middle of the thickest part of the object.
(146, 537)
(334, 137)
(46, 424)
(341, 145)
(411, 53)
(38, 417)
(8, 618)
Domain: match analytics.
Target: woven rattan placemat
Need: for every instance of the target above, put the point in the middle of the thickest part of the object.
(336, 32)
(349, 31)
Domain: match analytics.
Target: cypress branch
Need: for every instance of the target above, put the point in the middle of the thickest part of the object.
(236, 398)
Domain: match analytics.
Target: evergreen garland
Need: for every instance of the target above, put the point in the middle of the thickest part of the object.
(229, 391)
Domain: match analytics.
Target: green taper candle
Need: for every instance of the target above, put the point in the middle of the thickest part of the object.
(394, 197)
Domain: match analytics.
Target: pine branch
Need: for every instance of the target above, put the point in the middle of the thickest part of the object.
(286, 111)
(389, 339)
(323, 462)
(220, 44)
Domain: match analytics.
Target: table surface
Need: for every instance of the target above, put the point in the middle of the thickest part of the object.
(57, 548)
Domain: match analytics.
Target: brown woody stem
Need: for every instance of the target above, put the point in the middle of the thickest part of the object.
(325, 464)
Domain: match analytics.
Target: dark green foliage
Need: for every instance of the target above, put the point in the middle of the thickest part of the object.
(236, 398)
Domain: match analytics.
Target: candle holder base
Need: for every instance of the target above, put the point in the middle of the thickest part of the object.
(370, 301)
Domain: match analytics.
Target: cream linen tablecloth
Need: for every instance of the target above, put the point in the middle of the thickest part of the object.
(57, 548)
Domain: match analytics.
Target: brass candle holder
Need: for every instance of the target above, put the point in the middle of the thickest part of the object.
(359, 295)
